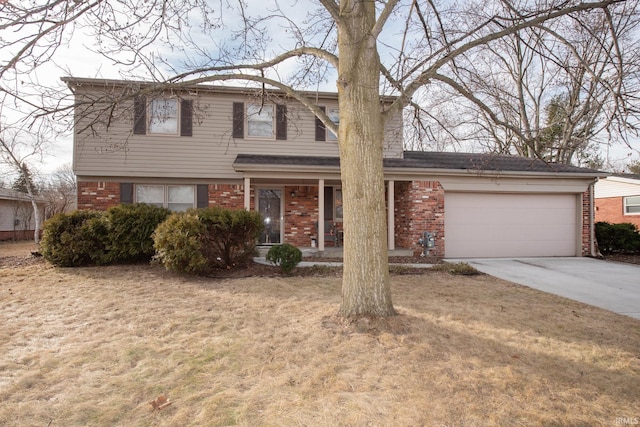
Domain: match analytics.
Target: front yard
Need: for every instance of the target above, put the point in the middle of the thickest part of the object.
(95, 346)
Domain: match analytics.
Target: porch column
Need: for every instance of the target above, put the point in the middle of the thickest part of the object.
(390, 216)
(321, 215)
(247, 193)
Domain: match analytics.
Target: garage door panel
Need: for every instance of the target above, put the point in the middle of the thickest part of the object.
(509, 225)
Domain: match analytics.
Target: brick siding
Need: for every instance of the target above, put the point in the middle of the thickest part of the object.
(301, 215)
(586, 223)
(230, 196)
(419, 207)
(98, 195)
(611, 209)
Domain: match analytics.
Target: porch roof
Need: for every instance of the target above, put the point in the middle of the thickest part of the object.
(419, 162)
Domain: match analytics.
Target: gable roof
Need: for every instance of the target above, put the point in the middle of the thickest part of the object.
(423, 161)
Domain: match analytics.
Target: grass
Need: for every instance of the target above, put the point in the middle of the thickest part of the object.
(95, 346)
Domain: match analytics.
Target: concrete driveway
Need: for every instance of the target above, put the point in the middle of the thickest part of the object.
(609, 285)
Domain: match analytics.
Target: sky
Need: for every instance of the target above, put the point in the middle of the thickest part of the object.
(82, 62)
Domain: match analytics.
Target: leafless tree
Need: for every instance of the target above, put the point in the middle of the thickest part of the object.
(60, 191)
(368, 48)
(16, 150)
(556, 91)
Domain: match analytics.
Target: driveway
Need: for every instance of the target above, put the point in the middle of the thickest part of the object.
(609, 285)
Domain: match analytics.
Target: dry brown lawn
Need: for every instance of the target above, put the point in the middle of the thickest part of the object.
(95, 346)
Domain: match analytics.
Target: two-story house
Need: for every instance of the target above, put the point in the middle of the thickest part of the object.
(240, 148)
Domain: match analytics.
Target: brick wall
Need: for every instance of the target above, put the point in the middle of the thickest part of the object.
(419, 207)
(611, 209)
(586, 223)
(98, 195)
(301, 214)
(16, 235)
(230, 196)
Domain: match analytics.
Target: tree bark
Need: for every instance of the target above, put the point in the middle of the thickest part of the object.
(365, 284)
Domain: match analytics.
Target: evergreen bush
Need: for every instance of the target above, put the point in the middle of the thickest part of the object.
(231, 236)
(130, 229)
(75, 239)
(618, 238)
(286, 256)
(201, 240)
(178, 244)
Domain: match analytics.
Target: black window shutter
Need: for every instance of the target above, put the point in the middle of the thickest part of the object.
(126, 193)
(281, 121)
(321, 131)
(186, 117)
(202, 195)
(238, 120)
(140, 115)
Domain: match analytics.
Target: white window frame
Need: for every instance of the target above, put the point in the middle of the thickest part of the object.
(162, 128)
(257, 110)
(334, 116)
(165, 194)
(627, 205)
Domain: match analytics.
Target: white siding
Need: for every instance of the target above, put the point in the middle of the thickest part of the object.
(209, 153)
(616, 187)
(483, 225)
(10, 210)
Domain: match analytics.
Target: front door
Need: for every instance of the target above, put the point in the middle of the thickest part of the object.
(270, 207)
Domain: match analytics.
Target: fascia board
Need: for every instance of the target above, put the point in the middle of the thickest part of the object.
(435, 174)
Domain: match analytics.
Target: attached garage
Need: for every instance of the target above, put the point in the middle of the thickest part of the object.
(494, 225)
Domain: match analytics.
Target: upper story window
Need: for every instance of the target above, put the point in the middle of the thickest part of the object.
(322, 133)
(174, 197)
(260, 121)
(334, 115)
(632, 205)
(163, 116)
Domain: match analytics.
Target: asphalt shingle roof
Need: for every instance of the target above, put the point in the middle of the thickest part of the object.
(428, 160)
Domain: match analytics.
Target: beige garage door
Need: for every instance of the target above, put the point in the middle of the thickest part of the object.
(509, 225)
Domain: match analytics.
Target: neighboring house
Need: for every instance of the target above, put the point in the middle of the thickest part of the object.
(218, 146)
(618, 199)
(17, 221)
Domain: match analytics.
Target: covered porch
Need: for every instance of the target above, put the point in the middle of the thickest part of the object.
(300, 200)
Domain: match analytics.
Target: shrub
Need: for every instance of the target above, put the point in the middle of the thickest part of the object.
(201, 240)
(75, 239)
(286, 256)
(456, 268)
(617, 238)
(178, 243)
(230, 240)
(130, 230)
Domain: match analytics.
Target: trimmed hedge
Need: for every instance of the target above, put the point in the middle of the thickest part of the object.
(201, 240)
(75, 239)
(85, 237)
(130, 229)
(617, 238)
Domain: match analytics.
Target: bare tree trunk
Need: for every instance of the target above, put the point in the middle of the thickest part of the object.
(36, 213)
(365, 284)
